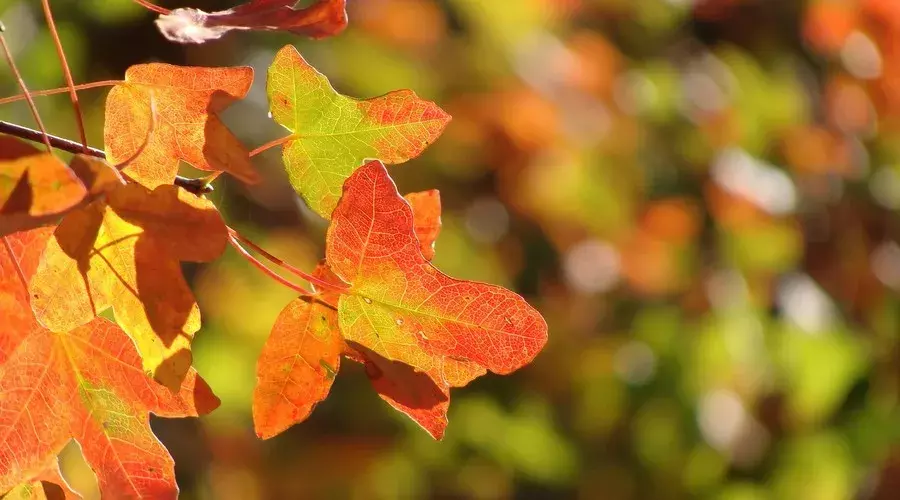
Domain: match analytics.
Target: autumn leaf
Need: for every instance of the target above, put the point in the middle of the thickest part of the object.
(398, 299)
(332, 134)
(422, 396)
(124, 252)
(296, 367)
(98, 176)
(321, 19)
(418, 332)
(48, 485)
(184, 120)
(34, 186)
(426, 207)
(85, 384)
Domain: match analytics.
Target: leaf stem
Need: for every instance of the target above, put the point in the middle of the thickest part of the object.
(196, 186)
(262, 267)
(31, 105)
(151, 7)
(82, 86)
(66, 72)
(275, 260)
(271, 144)
(15, 260)
(277, 277)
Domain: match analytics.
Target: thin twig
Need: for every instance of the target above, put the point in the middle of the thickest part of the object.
(12, 255)
(196, 186)
(57, 142)
(82, 86)
(151, 7)
(66, 72)
(31, 105)
(275, 260)
(271, 144)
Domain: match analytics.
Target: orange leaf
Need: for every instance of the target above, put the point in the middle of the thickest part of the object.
(426, 207)
(398, 300)
(98, 176)
(186, 102)
(85, 384)
(323, 18)
(296, 367)
(124, 252)
(35, 186)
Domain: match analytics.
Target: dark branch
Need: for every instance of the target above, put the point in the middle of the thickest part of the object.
(196, 186)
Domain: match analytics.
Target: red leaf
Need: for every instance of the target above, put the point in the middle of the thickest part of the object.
(398, 300)
(323, 18)
(407, 390)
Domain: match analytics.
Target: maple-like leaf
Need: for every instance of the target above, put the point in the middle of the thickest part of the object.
(398, 299)
(124, 252)
(321, 19)
(332, 134)
(376, 239)
(296, 369)
(85, 384)
(426, 207)
(174, 109)
(34, 186)
(48, 485)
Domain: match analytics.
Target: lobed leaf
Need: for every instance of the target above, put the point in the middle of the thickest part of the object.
(321, 19)
(287, 390)
(85, 384)
(399, 304)
(124, 252)
(332, 134)
(174, 109)
(388, 317)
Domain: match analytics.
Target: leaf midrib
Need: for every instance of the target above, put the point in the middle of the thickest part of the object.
(298, 135)
(433, 316)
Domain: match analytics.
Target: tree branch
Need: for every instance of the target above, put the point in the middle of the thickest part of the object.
(196, 186)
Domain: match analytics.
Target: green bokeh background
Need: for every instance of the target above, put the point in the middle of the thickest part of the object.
(699, 195)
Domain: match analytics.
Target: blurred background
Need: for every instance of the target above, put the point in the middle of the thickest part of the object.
(699, 195)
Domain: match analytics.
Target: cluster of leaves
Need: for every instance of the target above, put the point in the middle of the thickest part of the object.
(110, 235)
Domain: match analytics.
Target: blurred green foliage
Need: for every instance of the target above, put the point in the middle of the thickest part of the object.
(700, 195)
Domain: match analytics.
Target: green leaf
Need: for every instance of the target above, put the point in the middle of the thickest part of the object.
(332, 134)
